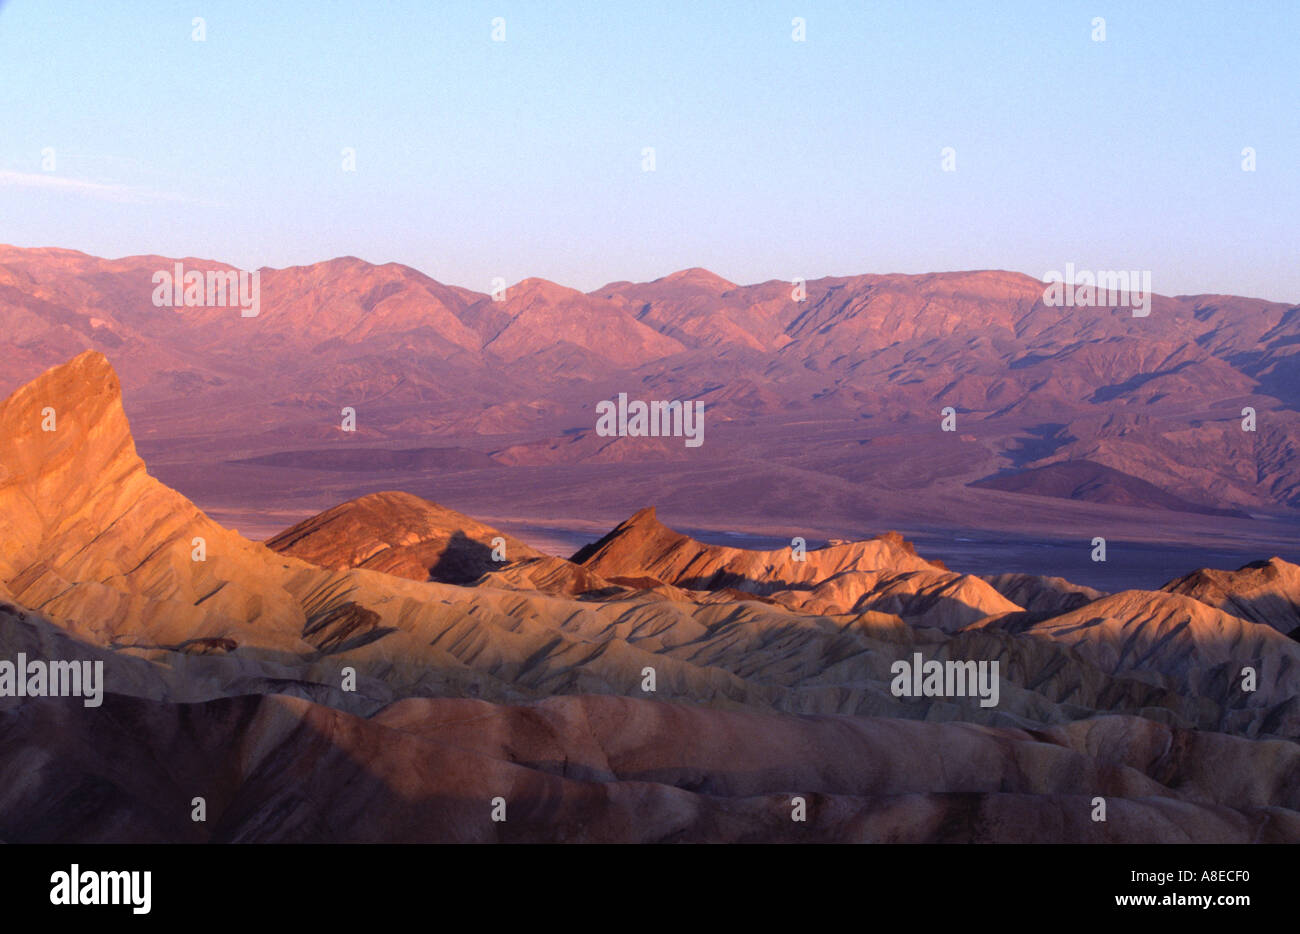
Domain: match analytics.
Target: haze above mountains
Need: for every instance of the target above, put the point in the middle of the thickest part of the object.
(823, 416)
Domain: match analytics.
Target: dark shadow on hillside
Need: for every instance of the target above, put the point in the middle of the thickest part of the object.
(463, 561)
(1043, 441)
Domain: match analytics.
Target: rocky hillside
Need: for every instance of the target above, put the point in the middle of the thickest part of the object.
(651, 689)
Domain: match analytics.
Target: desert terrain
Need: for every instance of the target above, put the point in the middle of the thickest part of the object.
(393, 668)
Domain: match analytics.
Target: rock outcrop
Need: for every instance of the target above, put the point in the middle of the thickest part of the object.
(882, 574)
(1265, 592)
(401, 534)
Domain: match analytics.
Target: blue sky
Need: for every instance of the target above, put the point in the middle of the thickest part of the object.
(773, 158)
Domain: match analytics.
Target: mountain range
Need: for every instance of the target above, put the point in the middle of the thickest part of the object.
(823, 414)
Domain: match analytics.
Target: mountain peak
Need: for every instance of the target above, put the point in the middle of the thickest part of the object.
(89, 367)
(400, 534)
(537, 288)
(69, 418)
(1261, 591)
(83, 525)
(700, 277)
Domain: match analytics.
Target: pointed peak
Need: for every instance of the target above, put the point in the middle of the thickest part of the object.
(643, 520)
(86, 363)
(86, 378)
(64, 438)
(641, 524)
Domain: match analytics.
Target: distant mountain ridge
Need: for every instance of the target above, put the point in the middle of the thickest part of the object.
(857, 371)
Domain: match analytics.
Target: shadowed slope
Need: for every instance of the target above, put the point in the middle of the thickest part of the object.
(591, 769)
(1263, 592)
(401, 534)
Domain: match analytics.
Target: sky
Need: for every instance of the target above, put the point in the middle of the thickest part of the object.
(478, 159)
